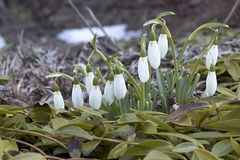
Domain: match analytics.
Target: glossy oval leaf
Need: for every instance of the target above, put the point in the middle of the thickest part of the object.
(118, 151)
(235, 146)
(185, 147)
(28, 156)
(157, 155)
(222, 148)
(73, 131)
(201, 154)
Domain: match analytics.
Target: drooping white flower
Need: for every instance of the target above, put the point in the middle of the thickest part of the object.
(58, 101)
(77, 94)
(109, 90)
(143, 69)
(154, 56)
(211, 83)
(95, 96)
(163, 45)
(89, 78)
(212, 56)
(119, 85)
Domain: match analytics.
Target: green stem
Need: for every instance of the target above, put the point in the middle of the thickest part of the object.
(34, 134)
(120, 106)
(143, 97)
(131, 79)
(193, 72)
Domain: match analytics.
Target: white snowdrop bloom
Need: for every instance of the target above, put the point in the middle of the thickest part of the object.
(212, 56)
(119, 86)
(154, 57)
(95, 96)
(58, 101)
(211, 83)
(77, 94)
(143, 69)
(89, 78)
(109, 92)
(163, 45)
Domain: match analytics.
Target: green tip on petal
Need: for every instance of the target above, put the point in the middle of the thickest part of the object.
(111, 77)
(89, 68)
(76, 80)
(212, 68)
(55, 87)
(152, 36)
(95, 82)
(117, 70)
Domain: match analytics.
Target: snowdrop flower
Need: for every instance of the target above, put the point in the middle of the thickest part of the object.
(58, 101)
(211, 82)
(119, 85)
(154, 57)
(89, 78)
(143, 69)
(95, 96)
(212, 56)
(109, 90)
(163, 45)
(77, 95)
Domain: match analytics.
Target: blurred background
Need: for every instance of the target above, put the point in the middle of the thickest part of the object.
(46, 18)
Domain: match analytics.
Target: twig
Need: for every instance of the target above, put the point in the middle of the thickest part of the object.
(26, 144)
(114, 140)
(101, 27)
(34, 134)
(226, 20)
(80, 15)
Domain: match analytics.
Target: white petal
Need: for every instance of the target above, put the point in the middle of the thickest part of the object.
(95, 97)
(77, 95)
(211, 83)
(89, 81)
(163, 45)
(58, 100)
(119, 86)
(212, 56)
(109, 92)
(143, 69)
(154, 57)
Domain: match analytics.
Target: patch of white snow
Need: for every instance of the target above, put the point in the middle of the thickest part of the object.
(83, 35)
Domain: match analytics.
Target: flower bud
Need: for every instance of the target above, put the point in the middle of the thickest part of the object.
(77, 95)
(143, 69)
(109, 90)
(58, 101)
(163, 45)
(212, 56)
(211, 83)
(119, 86)
(95, 96)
